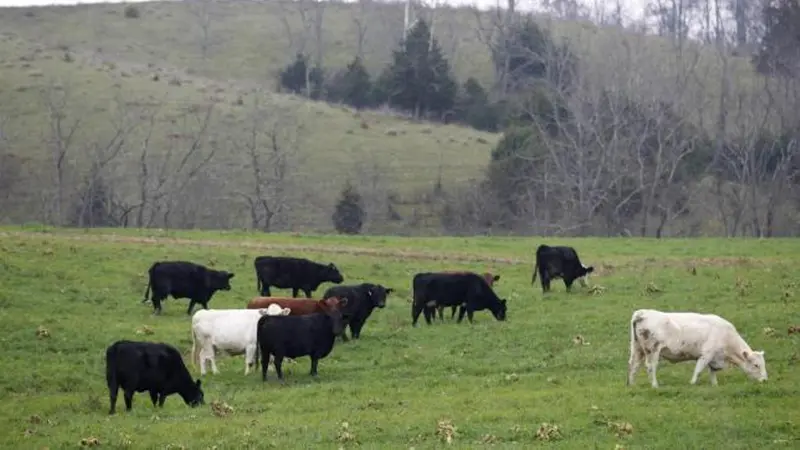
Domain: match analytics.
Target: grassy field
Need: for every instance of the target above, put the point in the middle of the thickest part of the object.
(400, 387)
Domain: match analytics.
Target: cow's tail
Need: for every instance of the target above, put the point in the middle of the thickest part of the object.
(149, 282)
(111, 367)
(535, 270)
(636, 318)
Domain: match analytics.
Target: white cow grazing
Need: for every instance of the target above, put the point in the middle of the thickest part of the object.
(684, 336)
(232, 330)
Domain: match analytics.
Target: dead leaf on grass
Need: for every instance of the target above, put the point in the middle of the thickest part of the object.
(769, 331)
(220, 408)
(144, 329)
(579, 340)
(548, 432)
(42, 332)
(345, 435)
(446, 430)
(794, 329)
(596, 289)
(90, 442)
(621, 429)
(651, 288)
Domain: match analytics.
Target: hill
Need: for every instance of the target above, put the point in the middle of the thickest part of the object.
(561, 359)
(218, 53)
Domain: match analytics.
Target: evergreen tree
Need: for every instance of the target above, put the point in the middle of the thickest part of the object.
(419, 78)
(473, 107)
(352, 86)
(349, 215)
(293, 78)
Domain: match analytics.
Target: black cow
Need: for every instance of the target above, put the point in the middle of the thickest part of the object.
(559, 262)
(285, 272)
(183, 279)
(362, 299)
(294, 336)
(467, 290)
(149, 366)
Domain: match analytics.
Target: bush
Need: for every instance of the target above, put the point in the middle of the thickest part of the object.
(348, 217)
(132, 12)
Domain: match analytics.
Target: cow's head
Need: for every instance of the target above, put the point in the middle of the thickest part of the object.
(499, 312)
(754, 365)
(274, 310)
(194, 395)
(218, 280)
(332, 274)
(377, 294)
(585, 271)
(332, 307)
(490, 278)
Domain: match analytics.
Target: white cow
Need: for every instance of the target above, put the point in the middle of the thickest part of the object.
(684, 336)
(231, 330)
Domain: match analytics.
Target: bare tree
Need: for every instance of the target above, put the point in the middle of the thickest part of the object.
(203, 11)
(270, 144)
(10, 169)
(361, 24)
(493, 29)
(60, 139)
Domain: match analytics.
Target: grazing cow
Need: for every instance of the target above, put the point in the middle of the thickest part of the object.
(559, 262)
(490, 280)
(296, 273)
(231, 330)
(467, 290)
(148, 366)
(362, 299)
(294, 336)
(183, 279)
(684, 336)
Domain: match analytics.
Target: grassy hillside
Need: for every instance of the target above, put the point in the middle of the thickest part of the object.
(98, 55)
(496, 382)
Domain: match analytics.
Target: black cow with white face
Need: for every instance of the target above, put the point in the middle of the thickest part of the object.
(183, 279)
(559, 262)
(361, 300)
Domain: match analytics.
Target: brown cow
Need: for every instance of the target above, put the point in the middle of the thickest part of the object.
(489, 277)
(299, 307)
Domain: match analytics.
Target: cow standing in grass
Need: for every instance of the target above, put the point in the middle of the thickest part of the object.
(183, 279)
(559, 262)
(229, 330)
(286, 272)
(148, 366)
(490, 280)
(686, 336)
(361, 300)
(467, 290)
(310, 335)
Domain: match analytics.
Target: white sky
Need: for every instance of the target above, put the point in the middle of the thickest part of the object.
(632, 8)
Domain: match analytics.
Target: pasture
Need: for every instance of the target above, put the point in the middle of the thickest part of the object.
(561, 359)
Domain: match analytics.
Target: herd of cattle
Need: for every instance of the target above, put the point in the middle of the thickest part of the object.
(276, 328)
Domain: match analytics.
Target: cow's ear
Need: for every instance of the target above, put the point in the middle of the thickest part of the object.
(197, 383)
(745, 354)
(331, 266)
(496, 277)
(262, 311)
(389, 291)
(230, 275)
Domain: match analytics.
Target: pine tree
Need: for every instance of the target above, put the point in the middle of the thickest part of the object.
(419, 79)
(349, 215)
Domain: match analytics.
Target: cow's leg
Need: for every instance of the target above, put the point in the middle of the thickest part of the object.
(128, 395)
(545, 282)
(157, 299)
(702, 362)
(453, 310)
(213, 362)
(161, 398)
(651, 362)
(415, 312)
(265, 289)
(294, 292)
(264, 364)
(461, 311)
(355, 329)
(113, 391)
(568, 283)
(582, 280)
(470, 312)
(634, 363)
(249, 356)
(440, 311)
(191, 305)
(308, 292)
(314, 363)
(428, 312)
(278, 360)
(154, 397)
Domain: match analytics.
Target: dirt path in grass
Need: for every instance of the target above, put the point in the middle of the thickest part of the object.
(617, 262)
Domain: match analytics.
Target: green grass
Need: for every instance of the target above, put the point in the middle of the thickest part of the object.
(495, 381)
